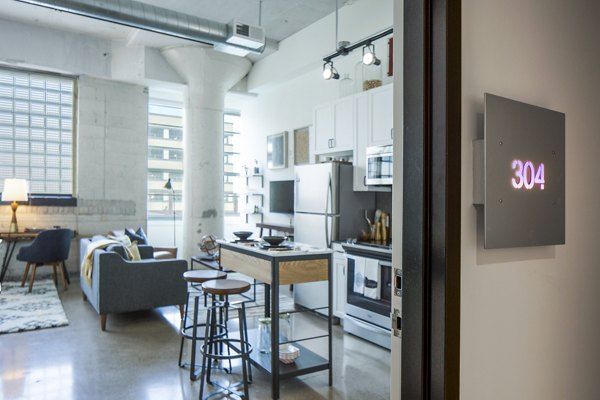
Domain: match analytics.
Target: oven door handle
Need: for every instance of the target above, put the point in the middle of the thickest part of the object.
(368, 327)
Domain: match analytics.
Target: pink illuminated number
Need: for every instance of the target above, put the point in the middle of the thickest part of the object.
(539, 176)
(529, 175)
(518, 166)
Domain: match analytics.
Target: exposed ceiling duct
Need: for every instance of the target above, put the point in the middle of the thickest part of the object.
(160, 20)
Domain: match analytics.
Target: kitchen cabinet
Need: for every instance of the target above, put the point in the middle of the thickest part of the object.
(334, 126)
(373, 121)
(381, 111)
(339, 283)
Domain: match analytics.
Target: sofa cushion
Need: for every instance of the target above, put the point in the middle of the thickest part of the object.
(138, 236)
(120, 250)
(132, 251)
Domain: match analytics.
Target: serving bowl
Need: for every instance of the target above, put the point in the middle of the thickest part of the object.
(274, 240)
(243, 235)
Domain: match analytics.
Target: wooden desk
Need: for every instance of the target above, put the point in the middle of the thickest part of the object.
(271, 227)
(11, 240)
(282, 268)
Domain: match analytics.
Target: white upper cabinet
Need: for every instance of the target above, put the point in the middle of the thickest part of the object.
(334, 126)
(381, 107)
(323, 127)
(374, 120)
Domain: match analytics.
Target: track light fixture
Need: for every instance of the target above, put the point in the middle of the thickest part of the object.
(368, 55)
(329, 72)
(344, 49)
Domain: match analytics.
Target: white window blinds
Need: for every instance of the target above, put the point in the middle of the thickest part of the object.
(36, 130)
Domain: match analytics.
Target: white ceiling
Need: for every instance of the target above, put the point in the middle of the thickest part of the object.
(280, 18)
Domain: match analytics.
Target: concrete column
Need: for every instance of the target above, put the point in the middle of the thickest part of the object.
(209, 75)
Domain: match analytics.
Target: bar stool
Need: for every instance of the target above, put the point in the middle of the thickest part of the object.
(196, 278)
(236, 348)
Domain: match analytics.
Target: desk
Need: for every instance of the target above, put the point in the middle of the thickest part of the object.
(282, 228)
(11, 240)
(276, 268)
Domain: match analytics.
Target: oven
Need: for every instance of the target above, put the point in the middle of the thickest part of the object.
(379, 165)
(369, 295)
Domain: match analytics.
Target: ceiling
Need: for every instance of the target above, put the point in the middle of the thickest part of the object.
(280, 18)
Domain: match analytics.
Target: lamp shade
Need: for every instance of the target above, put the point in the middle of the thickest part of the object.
(15, 190)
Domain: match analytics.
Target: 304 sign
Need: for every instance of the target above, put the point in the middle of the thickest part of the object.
(527, 175)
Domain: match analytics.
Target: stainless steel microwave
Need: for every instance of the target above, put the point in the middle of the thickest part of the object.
(380, 165)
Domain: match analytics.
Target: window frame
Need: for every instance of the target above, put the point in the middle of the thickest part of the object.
(56, 199)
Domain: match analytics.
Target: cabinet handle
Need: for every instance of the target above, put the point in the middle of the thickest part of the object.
(333, 142)
(329, 143)
(364, 180)
(392, 133)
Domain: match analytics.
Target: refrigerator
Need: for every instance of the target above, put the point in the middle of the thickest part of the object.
(326, 209)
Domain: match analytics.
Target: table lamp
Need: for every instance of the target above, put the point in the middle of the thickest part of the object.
(14, 190)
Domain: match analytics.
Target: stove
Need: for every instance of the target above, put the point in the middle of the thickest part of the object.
(369, 249)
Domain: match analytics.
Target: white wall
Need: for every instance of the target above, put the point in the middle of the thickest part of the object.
(290, 84)
(531, 317)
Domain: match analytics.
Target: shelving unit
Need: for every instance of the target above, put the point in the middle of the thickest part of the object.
(254, 194)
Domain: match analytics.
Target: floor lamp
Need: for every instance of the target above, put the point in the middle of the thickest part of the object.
(169, 186)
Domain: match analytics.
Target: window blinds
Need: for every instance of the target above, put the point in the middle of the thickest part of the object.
(36, 130)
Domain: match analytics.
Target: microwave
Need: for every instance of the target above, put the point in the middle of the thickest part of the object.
(380, 165)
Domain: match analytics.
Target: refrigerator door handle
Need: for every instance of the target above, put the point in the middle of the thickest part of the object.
(327, 211)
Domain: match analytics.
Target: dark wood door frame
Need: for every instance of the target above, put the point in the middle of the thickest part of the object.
(431, 200)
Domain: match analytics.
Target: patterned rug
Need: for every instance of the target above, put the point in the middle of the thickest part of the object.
(23, 311)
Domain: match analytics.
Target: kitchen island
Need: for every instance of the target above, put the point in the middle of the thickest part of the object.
(277, 267)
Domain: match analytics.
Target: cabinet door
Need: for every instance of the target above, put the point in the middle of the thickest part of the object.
(323, 127)
(343, 111)
(361, 120)
(382, 115)
(339, 284)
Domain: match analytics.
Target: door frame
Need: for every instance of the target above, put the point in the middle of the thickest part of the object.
(431, 211)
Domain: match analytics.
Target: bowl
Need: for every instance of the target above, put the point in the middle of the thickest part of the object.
(274, 240)
(289, 355)
(243, 235)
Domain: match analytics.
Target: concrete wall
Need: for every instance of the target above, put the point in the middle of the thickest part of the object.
(111, 156)
(531, 316)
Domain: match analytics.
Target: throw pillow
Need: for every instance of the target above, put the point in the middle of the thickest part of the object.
(133, 252)
(120, 250)
(140, 232)
(134, 236)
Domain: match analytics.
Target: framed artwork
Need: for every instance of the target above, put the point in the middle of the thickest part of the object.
(301, 151)
(277, 150)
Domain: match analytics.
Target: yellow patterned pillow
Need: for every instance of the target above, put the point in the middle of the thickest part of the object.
(133, 252)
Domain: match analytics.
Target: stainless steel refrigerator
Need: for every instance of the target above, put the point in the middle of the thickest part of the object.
(326, 209)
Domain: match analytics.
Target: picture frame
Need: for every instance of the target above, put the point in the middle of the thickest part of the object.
(277, 148)
(301, 148)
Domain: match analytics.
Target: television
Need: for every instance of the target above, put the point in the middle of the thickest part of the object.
(281, 197)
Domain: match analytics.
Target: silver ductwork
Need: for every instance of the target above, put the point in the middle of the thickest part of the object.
(147, 17)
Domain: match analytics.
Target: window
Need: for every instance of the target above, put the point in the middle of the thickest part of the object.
(165, 158)
(36, 130)
(231, 163)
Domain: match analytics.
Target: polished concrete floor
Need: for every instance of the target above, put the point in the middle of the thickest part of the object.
(136, 358)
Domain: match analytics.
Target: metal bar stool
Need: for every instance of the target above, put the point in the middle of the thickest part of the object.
(196, 278)
(236, 348)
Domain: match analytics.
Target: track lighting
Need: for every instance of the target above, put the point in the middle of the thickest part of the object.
(329, 72)
(369, 57)
(344, 49)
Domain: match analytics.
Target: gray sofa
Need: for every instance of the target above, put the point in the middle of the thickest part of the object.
(119, 285)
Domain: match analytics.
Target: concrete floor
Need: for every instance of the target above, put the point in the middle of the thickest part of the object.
(136, 358)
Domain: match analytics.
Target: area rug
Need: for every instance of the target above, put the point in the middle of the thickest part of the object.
(23, 311)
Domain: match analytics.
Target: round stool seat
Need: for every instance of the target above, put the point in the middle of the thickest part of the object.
(203, 275)
(224, 287)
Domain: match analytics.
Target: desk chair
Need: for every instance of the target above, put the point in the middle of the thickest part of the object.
(50, 247)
